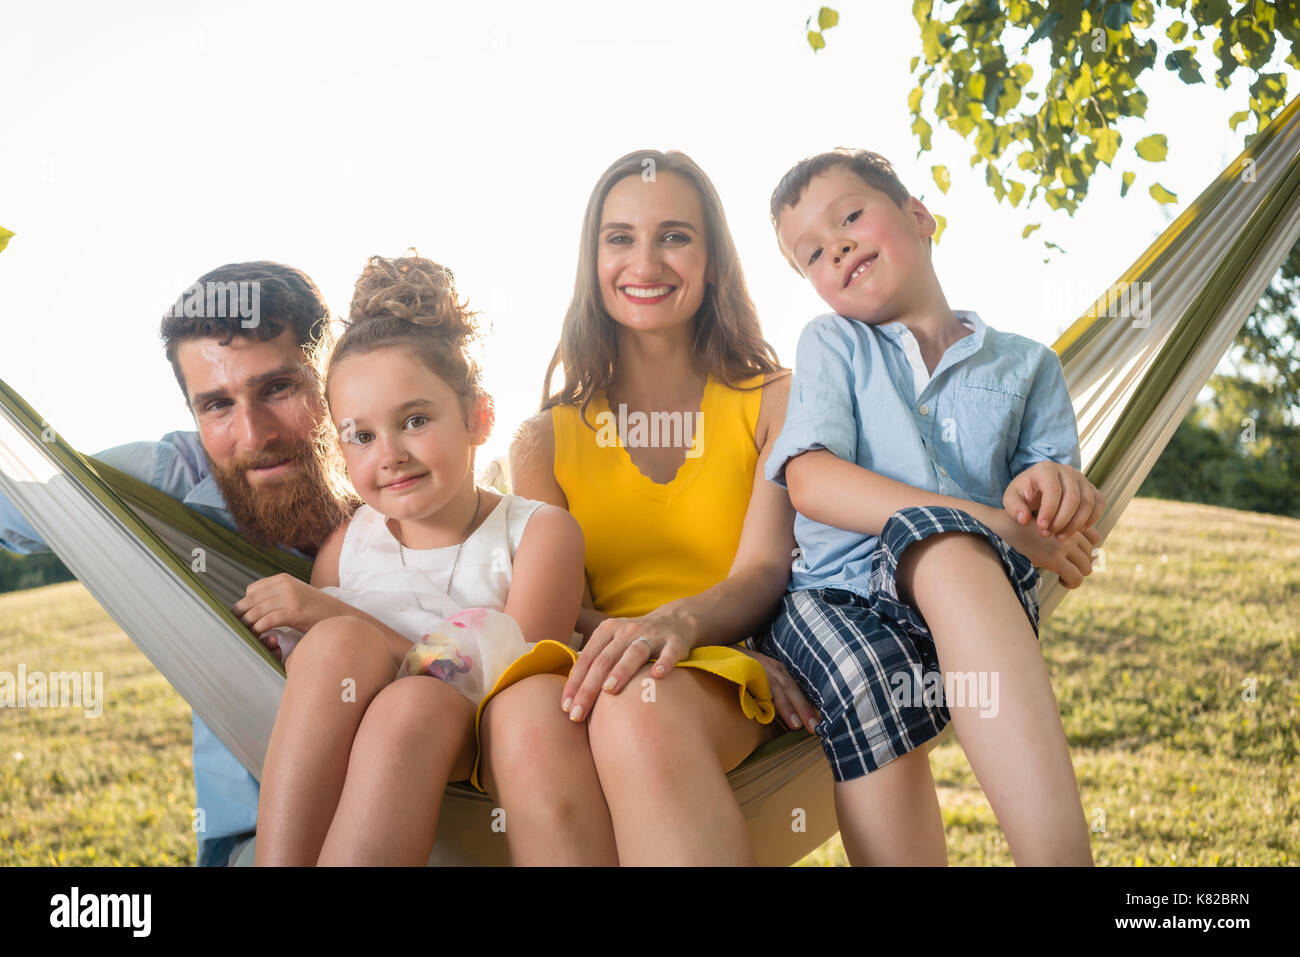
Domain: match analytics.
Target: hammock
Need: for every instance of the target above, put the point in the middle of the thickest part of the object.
(152, 563)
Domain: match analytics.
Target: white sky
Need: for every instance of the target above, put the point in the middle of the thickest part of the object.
(146, 143)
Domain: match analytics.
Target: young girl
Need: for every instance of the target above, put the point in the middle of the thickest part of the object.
(373, 722)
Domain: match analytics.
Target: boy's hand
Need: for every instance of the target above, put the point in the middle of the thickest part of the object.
(284, 600)
(1071, 559)
(1063, 498)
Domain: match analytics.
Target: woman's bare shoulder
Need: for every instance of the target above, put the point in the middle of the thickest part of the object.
(771, 414)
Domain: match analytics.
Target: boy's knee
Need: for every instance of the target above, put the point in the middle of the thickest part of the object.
(942, 550)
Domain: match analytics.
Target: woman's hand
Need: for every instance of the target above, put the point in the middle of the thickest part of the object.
(791, 706)
(617, 650)
(283, 600)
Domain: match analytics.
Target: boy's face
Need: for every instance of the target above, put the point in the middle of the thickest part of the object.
(865, 256)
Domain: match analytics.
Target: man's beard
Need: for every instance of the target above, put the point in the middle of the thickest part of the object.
(297, 512)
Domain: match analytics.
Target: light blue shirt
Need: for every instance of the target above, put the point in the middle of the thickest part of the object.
(177, 466)
(995, 404)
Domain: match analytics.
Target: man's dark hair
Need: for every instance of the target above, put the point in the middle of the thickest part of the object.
(285, 296)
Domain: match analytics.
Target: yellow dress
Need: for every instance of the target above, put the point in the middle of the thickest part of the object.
(650, 543)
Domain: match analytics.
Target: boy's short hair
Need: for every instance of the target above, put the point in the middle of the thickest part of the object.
(872, 168)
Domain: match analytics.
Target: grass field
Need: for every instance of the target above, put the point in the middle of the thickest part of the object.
(1177, 669)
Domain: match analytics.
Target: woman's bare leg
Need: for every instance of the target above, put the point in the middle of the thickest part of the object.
(1019, 754)
(333, 674)
(662, 752)
(538, 764)
(417, 735)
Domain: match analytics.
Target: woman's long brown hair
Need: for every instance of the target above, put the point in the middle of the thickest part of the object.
(728, 343)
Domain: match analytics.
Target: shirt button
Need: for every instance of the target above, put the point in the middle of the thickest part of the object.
(925, 409)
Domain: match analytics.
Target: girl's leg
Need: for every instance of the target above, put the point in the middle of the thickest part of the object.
(891, 817)
(538, 764)
(663, 764)
(1019, 754)
(417, 735)
(337, 668)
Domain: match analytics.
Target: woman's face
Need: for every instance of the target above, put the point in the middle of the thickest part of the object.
(652, 260)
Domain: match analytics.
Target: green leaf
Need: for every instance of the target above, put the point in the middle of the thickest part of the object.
(1017, 191)
(1051, 245)
(1162, 195)
(827, 18)
(941, 177)
(5, 236)
(1177, 31)
(1030, 229)
(815, 40)
(922, 130)
(940, 224)
(1183, 62)
(1117, 15)
(914, 100)
(1106, 143)
(1128, 181)
(1237, 118)
(1153, 148)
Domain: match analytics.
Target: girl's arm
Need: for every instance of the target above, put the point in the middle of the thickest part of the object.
(547, 577)
(532, 475)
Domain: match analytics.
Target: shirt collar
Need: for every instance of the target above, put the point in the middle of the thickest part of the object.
(895, 328)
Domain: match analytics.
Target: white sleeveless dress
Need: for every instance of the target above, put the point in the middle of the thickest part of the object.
(463, 637)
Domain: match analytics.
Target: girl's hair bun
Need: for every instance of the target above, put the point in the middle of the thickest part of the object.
(416, 290)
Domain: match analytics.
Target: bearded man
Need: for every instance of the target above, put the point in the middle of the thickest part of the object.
(251, 376)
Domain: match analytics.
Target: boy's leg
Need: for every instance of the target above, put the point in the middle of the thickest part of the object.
(335, 671)
(417, 735)
(890, 817)
(847, 660)
(1017, 747)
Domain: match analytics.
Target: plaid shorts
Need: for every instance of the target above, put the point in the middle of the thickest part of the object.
(852, 655)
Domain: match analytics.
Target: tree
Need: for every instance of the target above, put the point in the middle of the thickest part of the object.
(1046, 133)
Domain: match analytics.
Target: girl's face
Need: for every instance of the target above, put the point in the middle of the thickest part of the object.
(652, 260)
(407, 448)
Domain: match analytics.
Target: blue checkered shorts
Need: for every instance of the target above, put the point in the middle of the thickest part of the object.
(851, 654)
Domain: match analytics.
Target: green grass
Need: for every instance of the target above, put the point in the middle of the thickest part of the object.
(1148, 660)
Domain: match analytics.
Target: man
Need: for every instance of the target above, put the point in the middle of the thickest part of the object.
(247, 343)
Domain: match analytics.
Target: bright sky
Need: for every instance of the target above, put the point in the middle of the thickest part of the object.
(146, 143)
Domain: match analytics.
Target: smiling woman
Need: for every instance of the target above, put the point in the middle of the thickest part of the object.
(623, 757)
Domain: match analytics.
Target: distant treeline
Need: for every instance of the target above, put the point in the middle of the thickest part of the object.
(30, 571)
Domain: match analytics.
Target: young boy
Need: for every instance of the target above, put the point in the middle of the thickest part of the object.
(908, 421)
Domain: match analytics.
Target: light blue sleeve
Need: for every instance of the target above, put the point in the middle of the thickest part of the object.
(139, 459)
(1048, 430)
(820, 413)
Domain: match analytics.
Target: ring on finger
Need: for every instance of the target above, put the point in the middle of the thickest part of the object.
(649, 647)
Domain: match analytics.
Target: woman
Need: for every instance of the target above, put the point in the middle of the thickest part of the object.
(688, 547)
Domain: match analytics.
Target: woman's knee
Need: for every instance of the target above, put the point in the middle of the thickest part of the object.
(527, 741)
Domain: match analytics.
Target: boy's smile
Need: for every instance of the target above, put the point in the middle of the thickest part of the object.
(864, 254)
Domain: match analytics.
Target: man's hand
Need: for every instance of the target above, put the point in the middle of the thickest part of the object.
(1063, 498)
(284, 600)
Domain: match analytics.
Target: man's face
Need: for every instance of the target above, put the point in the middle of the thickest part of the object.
(256, 405)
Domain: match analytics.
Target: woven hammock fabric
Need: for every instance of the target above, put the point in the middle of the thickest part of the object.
(1132, 384)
